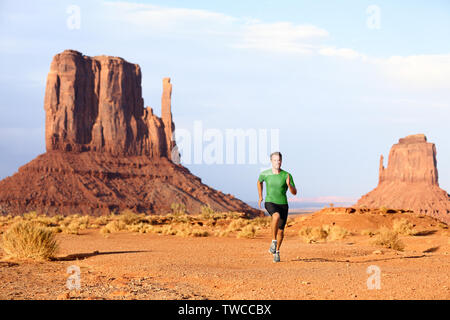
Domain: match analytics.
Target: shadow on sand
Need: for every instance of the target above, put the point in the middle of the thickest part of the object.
(363, 261)
(82, 256)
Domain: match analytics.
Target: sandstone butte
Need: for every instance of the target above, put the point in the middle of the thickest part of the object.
(410, 181)
(105, 152)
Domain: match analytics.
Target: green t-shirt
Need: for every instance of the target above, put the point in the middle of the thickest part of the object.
(276, 185)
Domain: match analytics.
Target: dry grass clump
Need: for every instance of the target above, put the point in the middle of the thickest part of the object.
(73, 224)
(248, 231)
(113, 226)
(389, 239)
(128, 217)
(323, 233)
(206, 212)
(29, 240)
(264, 222)
(237, 225)
(403, 226)
(178, 208)
(313, 234)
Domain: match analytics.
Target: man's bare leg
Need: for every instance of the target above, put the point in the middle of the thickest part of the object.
(275, 220)
(280, 238)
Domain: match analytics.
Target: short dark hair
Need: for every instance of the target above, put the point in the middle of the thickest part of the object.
(276, 153)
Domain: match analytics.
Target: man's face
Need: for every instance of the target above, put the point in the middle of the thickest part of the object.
(276, 161)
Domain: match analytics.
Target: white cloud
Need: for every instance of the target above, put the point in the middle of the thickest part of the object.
(422, 72)
(246, 32)
(427, 71)
(280, 37)
(418, 71)
(345, 53)
(152, 18)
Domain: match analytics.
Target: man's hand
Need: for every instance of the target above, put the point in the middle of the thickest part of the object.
(291, 188)
(259, 202)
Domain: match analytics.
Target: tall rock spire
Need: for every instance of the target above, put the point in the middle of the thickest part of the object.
(166, 116)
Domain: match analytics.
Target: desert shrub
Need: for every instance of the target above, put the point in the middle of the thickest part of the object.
(72, 228)
(221, 233)
(47, 221)
(262, 221)
(101, 221)
(180, 218)
(234, 215)
(248, 231)
(113, 226)
(139, 227)
(323, 233)
(403, 226)
(313, 234)
(30, 215)
(178, 209)
(206, 212)
(237, 225)
(29, 240)
(128, 217)
(389, 239)
(335, 232)
(195, 232)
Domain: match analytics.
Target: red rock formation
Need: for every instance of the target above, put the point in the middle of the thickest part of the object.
(410, 180)
(95, 104)
(105, 151)
(96, 183)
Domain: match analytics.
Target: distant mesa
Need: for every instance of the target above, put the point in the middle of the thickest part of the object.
(410, 181)
(105, 151)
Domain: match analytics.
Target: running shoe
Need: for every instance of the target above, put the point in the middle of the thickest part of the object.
(276, 257)
(273, 247)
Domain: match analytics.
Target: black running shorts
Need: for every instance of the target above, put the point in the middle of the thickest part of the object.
(282, 209)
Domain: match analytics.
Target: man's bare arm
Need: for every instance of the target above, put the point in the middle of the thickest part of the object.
(291, 188)
(260, 192)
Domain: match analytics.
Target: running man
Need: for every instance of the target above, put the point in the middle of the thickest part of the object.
(277, 182)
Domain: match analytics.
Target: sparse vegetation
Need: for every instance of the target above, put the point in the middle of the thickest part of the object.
(29, 240)
(206, 212)
(178, 209)
(207, 223)
(248, 231)
(323, 233)
(389, 239)
(404, 227)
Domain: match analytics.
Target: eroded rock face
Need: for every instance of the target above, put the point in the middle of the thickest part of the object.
(105, 151)
(95, 104)
(410, 181)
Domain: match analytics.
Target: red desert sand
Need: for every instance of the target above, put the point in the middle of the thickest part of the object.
(129, 265)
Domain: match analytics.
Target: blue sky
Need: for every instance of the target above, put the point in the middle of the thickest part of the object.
(340, 81)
